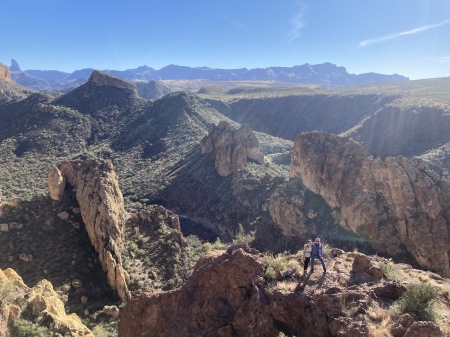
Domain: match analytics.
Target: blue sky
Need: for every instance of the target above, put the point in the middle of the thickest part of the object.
(408, 37)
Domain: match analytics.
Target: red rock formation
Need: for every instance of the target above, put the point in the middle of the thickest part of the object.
(232, 148)
(102, 210)
(397, 204)
(228, 295)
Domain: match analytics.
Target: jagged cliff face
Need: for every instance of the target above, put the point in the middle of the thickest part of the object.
(102, 209)
(397, 204)
(232, 148)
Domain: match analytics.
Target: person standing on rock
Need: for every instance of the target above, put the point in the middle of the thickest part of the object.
(307, 248)
(316, 253)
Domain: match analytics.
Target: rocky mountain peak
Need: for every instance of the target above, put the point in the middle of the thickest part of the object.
(100, 78)
(5, 73)
(14, 66)
(232, 147)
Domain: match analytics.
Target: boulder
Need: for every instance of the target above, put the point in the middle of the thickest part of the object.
(111, 310)
(423, 329)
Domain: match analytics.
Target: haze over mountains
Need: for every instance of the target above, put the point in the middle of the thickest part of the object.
(326, 73)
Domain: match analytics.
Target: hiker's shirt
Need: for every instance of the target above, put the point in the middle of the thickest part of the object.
(307, 250)
(316, 249)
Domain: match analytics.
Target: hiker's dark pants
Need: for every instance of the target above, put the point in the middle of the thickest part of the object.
(321, 260)
(305, 263)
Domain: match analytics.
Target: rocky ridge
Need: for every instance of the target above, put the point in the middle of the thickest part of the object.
(102, 210)
(100, 78)
(231, 148)
(397, 204)
(229, 294)
(40, 304)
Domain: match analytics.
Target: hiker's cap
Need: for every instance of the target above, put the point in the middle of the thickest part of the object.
(309, 240)
(317, 240)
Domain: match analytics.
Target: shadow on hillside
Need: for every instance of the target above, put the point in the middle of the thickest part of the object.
(40, 245)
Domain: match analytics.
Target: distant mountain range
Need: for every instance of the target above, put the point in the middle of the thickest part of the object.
(326, 73)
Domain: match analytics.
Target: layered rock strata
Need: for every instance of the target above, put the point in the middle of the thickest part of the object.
(397, 204)
(100, 78)
(232, 148)
(102, 209)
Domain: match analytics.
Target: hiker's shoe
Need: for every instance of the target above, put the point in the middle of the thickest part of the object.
(311, 271)
(324, 271)
(305, 273)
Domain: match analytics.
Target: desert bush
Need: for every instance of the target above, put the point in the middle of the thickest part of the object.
(100, 331)
(270, 273)
(420, 299)
(326, 250)
(242, 237)
(7, 290)
(391, 271)
(276, 262)
(24, 328)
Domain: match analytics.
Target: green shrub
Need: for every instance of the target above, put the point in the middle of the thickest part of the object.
(24, 328)
(420, 299)
(7, 290)
(270, 273)
(391, 271)
(242, 237)
(277, 262)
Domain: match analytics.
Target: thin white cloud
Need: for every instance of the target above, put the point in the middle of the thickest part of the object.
(443, 59)
(297, 23)
(398, 35)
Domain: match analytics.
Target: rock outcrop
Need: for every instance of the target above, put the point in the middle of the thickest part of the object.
(100, 78)
(102, 210)
(397, 204)
(229, 295)
(232, 148)
(5, 73)
(14, 66)
(40, 305)
(56, 183)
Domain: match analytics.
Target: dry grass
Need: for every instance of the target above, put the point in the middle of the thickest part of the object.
(381, 319)
(445, 289)
(287, 286)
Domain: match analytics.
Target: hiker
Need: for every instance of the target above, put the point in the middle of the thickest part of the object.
(306, 255)
(316, 253)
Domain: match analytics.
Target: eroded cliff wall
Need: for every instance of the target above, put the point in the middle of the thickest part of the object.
(396, 203)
